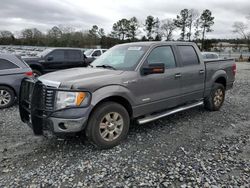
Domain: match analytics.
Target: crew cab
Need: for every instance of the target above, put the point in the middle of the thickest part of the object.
(53, 59)
(141, 81)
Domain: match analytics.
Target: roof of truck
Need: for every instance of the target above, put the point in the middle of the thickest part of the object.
(151, 43)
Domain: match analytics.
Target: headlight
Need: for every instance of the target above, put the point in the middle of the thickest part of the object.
(71, 99)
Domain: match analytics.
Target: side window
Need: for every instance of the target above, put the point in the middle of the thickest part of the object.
(188, 55)
(163, 54)
(97, 53)
(58, 55)
(103, 51)
(5, 64)
(73, 55)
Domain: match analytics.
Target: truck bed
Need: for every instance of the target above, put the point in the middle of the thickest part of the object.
(216, 67)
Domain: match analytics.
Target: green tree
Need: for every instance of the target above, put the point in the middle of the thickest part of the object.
(197, 30)
(54, 32)
(168, 26)
(206, 21)
(120, 29)
(101, 32)
(150, 26)
(133, 28)
(193, 14)
(181, 22)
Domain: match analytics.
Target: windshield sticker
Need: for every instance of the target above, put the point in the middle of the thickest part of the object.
(134, 48)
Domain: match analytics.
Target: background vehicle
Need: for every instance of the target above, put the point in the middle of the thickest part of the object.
(143, 81)
(12, 71)
(92, 54)
(209, 55)
(53, 59)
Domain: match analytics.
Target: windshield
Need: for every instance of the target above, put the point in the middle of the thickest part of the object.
(44, 52)
(122, 57)
(88, 52)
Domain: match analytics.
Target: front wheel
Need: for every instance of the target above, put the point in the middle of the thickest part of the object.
(216, 98)
(108, 125)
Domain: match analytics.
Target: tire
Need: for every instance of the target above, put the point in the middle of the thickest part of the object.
(115, 121)
(36, 73)
(7, 97)
(216, 98)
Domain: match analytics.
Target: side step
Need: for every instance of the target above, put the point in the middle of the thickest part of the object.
(168, 112)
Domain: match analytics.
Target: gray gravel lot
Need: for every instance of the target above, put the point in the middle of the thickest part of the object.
(188, 149)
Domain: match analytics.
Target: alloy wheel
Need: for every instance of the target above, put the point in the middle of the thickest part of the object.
(111, 126)
(5, 98)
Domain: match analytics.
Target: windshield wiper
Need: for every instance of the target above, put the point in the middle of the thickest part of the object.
(106, 67)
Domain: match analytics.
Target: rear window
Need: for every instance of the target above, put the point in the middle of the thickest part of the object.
(73, 55)
(5, 64)
(188, 55)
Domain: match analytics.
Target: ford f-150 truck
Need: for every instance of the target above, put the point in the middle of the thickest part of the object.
(53, 59)
(141, 81)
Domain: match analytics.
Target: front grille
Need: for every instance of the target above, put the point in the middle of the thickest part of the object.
(36, 103)
(49, 99)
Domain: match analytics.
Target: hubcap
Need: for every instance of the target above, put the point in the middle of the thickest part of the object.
(218, 97)
(111, 126)
(5, 98)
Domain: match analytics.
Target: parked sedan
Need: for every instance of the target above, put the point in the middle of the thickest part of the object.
(12, 71)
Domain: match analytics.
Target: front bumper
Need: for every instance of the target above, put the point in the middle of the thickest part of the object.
(36, 108)
(60, 125)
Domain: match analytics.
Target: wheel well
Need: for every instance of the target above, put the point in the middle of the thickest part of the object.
(221, 80)
(36, 67)
(120, 100)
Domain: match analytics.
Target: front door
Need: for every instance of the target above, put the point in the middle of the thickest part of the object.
(54, 61)
(159, 91)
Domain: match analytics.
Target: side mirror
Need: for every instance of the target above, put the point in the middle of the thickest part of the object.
(157, 68)
(50, 58)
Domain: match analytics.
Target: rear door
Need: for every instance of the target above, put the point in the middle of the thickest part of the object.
(192, 74)
(73, 58)
(159, 91)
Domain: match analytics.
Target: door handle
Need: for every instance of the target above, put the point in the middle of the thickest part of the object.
(201, 71)
(177, 75)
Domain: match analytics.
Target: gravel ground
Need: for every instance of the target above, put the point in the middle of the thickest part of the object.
(195, 148)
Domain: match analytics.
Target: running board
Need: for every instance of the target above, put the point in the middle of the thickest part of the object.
(168, 112)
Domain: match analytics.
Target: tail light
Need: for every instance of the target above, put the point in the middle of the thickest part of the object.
(29, 74)
(234, 69)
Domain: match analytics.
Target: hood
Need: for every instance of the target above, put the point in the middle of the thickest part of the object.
(77, 78)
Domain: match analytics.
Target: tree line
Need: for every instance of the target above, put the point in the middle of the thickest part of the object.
(241, 28)
(189, 24)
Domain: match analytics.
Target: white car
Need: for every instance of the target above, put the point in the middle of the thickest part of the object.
(209, 55)
(92, 54)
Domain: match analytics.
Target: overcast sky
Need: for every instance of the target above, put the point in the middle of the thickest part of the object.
(16, 15)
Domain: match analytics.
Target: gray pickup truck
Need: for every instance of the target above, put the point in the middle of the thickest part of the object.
(141, 81)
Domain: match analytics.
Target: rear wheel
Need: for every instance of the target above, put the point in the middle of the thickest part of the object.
(108, 125)
(216, 98)
(7, 97)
